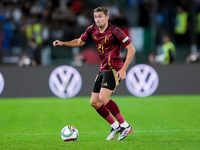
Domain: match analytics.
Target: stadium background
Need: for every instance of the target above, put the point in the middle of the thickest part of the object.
(67, 19)
(44, 21)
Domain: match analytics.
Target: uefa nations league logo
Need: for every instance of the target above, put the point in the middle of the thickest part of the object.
(142, 80)
(65, 81)
(1, 83)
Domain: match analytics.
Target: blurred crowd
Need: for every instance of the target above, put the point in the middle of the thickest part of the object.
(35, 18)
(32, 20)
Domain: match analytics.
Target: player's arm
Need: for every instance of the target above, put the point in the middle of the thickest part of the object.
(131, 52)
(74, 43)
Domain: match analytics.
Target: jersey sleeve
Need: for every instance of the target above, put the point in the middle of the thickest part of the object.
(122, 37)
(87, 34)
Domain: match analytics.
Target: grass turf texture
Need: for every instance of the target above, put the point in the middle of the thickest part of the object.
(159, 122)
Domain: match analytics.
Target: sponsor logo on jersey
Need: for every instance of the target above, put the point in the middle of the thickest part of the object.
(65, 81)
(142, 80)
(1, 83)
(126, 39)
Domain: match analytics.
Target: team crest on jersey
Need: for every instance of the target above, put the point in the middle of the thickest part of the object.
(106, 39)
(95, 37)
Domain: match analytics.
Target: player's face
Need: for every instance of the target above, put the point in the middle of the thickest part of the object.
(165, 39)
(100, 18)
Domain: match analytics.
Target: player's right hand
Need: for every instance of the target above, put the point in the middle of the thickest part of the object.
(57, 42)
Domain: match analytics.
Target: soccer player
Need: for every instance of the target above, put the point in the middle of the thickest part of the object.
(108, 40)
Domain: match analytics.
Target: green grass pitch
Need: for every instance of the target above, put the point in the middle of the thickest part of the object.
(159, 122)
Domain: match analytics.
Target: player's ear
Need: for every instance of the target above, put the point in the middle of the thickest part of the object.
(107, 17)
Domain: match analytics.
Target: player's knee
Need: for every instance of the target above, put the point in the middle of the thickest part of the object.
(103, 99)
(94, 104)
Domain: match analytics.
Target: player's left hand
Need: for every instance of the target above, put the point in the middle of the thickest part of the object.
(121, 74)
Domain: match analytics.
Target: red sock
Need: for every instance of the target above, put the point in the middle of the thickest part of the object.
(103, 111)
(114, 109)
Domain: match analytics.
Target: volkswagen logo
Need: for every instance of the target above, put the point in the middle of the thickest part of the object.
(142, 80)
(1, 83)
(65, 81)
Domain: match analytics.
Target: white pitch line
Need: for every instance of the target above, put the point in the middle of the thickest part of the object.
(147, 131)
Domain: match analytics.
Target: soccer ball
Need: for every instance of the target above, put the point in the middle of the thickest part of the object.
(69, 133)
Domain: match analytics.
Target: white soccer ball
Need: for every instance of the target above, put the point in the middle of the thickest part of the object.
(69, 133)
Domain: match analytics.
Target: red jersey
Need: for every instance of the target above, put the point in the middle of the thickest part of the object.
(108, 45)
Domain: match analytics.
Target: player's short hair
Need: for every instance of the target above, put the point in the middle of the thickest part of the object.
(105, 11)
